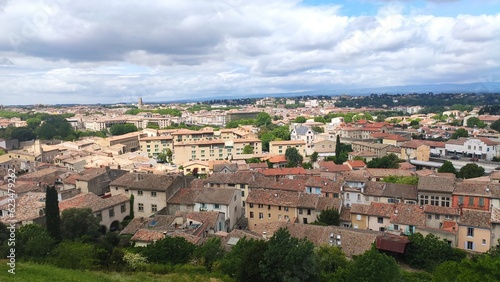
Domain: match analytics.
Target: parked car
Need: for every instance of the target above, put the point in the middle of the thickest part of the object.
(435, 155)
(474, 159)
(455, 157)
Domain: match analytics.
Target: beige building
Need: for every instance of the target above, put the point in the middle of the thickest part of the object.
(110, 211)
(129, 140)
(279, 147)
(474, 231)
(210, 150)
(379, 149)
(156, 145)
(151, 191)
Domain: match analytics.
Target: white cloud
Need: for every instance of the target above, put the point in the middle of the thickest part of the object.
(60, 51)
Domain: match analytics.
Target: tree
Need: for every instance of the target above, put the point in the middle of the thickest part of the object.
(447, 167)
(471, 170)
(475, 122)
(120, 129)
(34, 242)
(52, 214)
(23, 134)
(293, 157)
(388, 161)
(330, 259)
(459, 133)
(429, 251)
(79, 224)
(131, 206)
(328, 217)
(263, 119)
(169, 154)
(76, 255)
(318, 129)
(248, 149)
(300, 119)
(174, 250)
(338, 146)
(314, 157)
(411, 180)
(242, 263)
(372, 266)
(288, 259)
(496, 125)
(210, 252)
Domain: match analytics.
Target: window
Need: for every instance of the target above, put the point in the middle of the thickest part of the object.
(396, 227)
(308, 212)
(424, 200)
(380, 220)
(358, 217)
(269, 215)
(123, 208)
(469, 245)
(347, 196)
(429, 216)
(367, 198)
(139, 192)
(445, 201)
(287, 217)
(279, 208)
(154, 208)
(250, 205)
(448, 217)
(481, 202)
(153, 194)
(300, 211)
(261, 206)
(286, 209)
(251, 214)
(484, 242)
(435, 200)
(470, 232)
(140, 207)
(99, 216)
(216, 206)
(359, 197)
(460, 200)
(234, 198)
(471, 201)
(437, 216)
(111, 212)
(261, 215)
(242, 193)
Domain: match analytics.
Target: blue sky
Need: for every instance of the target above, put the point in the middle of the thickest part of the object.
(62, 51)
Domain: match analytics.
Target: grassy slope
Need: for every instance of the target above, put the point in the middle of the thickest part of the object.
(44, 272)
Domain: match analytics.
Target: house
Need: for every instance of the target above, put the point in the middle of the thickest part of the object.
(279, 147)
(304, 133)
(353, 187)
(151, 191)
(378, 174)
(394, 140)
(225, 168)
(435, 216)
(155, 145)
(29, 208)
(322, 186)
(474, 195)
(355, 164)
(196, 168)
(436, 190)
(110, 210)
(474, 231)
(378, 149)
(97, 180)
(324, 148)
(224, 200)
(495, 226)
(415, 150)
(374, 216)
(183, 200)
(395, 193)
(405, 218)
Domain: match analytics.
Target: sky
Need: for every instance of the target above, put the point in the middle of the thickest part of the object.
(94, 51)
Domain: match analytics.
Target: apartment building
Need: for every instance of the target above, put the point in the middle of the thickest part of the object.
(379, 149)
(226, 201)
(156, 145)
(130, 141)
(474, 231)
(279, 147)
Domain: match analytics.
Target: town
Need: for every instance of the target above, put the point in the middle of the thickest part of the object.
(321, 168)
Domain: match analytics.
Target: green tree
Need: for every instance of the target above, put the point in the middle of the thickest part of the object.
(475, 122)
(76, 255)
(242, 263)
(169, 154)
(263, 119)
(289, 259)
(429, 251)
(79, 224)
(248, 149)
(319, 119)
(338, 146)
(52, 214)
(314, 157)
(210, 252)
(33, 242)
(388, 161)
(447, 167)
(459, 133)
(23, 134)
(318, 129)
(300, 119)
(120, 129)
(411, 180)
(293, 157)
(174, 250)
(496, 125)
(372, 266)
(471, 170)
(131, 206)
(328, 217)
(330, 259)
(33, 122)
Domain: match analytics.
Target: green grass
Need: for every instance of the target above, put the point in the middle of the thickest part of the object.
(33, 272)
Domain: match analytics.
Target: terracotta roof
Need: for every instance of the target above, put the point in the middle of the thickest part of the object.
(475, 218)
(396, 137)
(408, 214)
(401, 191)
(436, 184)
(345, 214)
(28, 207)
(356, 163)
(240, 177)
(474, 189)
(149, 182)
(374, 188)
(325, 203)
(188, 237)
(333, 167)
(441, 210)
(22, 187)
(92, 201)
(186, 196)
(223, 196)
(309, 201)
(146, 235)
(357, 176)
(384, 172)
(283, 171)
(360, 209)
(381, 209)
(495, 215)
(274, 198)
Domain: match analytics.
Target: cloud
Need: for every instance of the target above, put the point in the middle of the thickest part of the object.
(59, 51)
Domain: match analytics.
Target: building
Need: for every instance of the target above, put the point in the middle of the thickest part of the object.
(436, 190)
(97, 180)
(279, 147)
(156, 145)
(474, 231)
(226, 201)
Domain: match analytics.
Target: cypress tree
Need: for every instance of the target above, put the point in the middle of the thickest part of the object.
(131, 206)
(337, 147)
(52, 215)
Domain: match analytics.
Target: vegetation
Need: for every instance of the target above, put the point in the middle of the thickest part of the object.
(120, 129)
(459, 133)
(413, 180)
(293, 157)
(447, 167)
(471, 170)
(328, 217)
(52, 215)
(79, 223)
(475, 122)
(496, 125)
(389, 161)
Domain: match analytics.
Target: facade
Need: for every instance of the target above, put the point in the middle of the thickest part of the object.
(304, 133)
(97, 180)
(226, 201)
(156, 145)
(279, 147)
(436, 190)
(474, 231)
(472, 195)
(379, 149)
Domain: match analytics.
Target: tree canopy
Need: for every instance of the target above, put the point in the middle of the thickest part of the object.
(388, 161)
(328, 217)
(52, 215)
(447, 167)
(79, 224)
(293, 157)
(471, 170)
